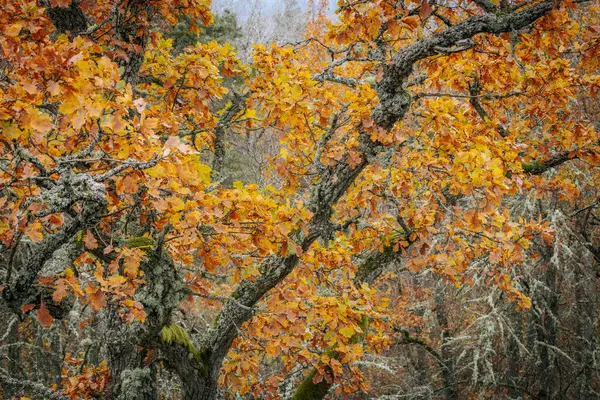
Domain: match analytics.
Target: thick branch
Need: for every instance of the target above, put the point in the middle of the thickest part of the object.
(22, 288)
(387, 112)
(486, 5)
(331, 77)
(539, 167)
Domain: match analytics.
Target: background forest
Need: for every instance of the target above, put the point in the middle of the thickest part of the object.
(374, 199)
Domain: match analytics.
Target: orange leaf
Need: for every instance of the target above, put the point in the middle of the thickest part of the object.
(90, 241)
(53, 88)
(27, 307)
(138, 311)
(34, 231)
(40, 122)
(60, 292)
(132, 261)
(129, 185)
(425, 10)
(97, 299)
(60, 3)
(317, 378)
(56, 219)
(44, 316)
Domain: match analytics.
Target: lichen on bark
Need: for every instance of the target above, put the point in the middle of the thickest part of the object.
(137, 384)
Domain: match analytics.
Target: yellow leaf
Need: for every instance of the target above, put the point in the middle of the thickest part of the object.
(35, 231)
(296, 92)
(203, 172)
(14, 29)
(347, 331)
(69, 105)
(238, 185)
(117, 280)
(11, 131)
(40, 121)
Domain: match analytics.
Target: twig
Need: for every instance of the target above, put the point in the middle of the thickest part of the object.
(223, 299)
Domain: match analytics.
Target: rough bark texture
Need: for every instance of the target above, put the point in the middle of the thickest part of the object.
(446, 356)
(21, 289)
(131, 29)
(237, 104)
(546, 330)
(585, 331)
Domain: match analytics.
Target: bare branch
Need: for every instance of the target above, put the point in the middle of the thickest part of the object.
(129, 163)
(475, 90)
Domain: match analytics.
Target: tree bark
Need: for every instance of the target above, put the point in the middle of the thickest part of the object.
(585, 298)
(447, 358)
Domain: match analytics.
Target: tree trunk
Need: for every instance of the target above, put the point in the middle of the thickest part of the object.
(13, 360)
(447, 358)
(546, 331)
(514, 355)
(585, 301)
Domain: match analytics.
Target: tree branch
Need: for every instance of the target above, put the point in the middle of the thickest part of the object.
(392, 96)
(486, 5)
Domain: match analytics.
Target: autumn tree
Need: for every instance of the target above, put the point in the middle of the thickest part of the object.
(224, 29)
(405, 131)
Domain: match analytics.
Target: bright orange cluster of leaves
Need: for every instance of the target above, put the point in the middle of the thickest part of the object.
(83, 381)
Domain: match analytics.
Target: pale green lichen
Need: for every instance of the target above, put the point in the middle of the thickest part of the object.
(533, 168)
(308, 390)
(141, 242)
(136, 384)
(177, 335)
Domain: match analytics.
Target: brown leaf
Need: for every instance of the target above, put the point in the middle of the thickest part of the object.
(425, 10)
(44, 316)
(97, 299)
(27, 307)
(90, 241)
(60, 292)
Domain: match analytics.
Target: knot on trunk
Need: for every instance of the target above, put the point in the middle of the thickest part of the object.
(393, 104)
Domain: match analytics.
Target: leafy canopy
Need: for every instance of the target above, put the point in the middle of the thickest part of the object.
(401, 130)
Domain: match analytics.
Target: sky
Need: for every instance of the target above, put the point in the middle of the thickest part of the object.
(275, 4)
(269, 6)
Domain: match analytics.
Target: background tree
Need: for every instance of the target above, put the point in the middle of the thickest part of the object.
(224, 29)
